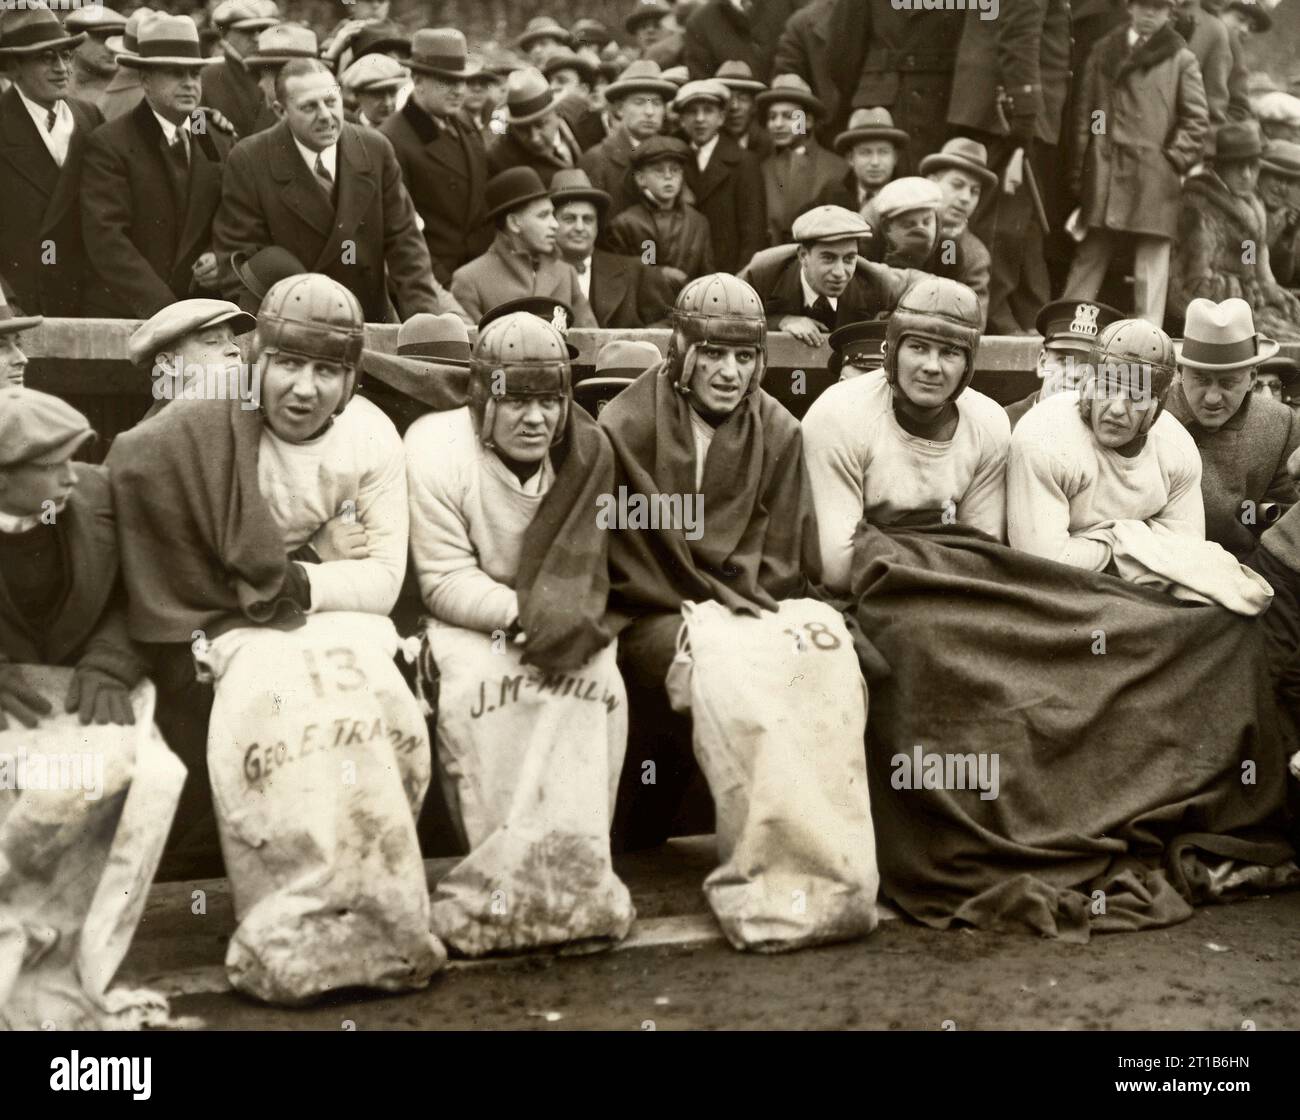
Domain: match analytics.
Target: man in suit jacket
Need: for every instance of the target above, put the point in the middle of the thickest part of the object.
(803, 49)
(725, 180)
(638, 97)
(331, 194)
(151, 185)
(536, 135)
(821, 283)
(622, 291)
(442, 158)
(797, 169)
(42, 136)
(522, 260)
(229, 86)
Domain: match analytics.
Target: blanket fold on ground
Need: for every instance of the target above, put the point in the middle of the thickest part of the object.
(563, 577)
(759, 534)
(1130, 742)
(200, 548)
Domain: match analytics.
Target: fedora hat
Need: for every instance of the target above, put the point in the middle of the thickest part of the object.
(543, 27)
(125, 43)
(870, 124)
(569, 60)
(95, 20)
(792, 89)
(431, 364)
(572, 185)
(442, 52)
(12, 324)
(1218, 336)
(623, 357)
(512, 188)
(642, 76)
(283, 43)
(1282, 157)
(965, 155)
(34, 28)
(167, 40)
(736, 75)
(528, 96)
(246, 15)
(591, 32)
(646, 11)
(1237, 141)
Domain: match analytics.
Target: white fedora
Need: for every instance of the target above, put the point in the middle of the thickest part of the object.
(1220, 336)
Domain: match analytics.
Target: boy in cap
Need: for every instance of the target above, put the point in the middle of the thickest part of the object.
(1245, 439)
(13, 362)
(637, 101)
(1069, 328)
(822, 281)
(521, 260)
(662, 220)
(190, 350)
(375, 80)
(911, 441)
(61, 599)
(151, 184)
(513, 572)
(907, 233)
(796, 169)
(230, 86)
(443, 161)
(725, 180)
(872, 146)
(1146, 84)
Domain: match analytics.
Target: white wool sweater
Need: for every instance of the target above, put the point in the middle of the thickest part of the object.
(1062, 484)
(358, 460)
(862, 462)
(469, 514)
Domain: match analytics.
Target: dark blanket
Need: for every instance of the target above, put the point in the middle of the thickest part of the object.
(1124, 771)
(563, 576)
(759, 542)
(200, 548)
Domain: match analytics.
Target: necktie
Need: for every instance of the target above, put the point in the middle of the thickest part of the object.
(823, 312)
(581, 266)
(181, 147)
(51, 120)
(324, 178)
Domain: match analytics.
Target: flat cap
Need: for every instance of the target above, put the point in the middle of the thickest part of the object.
(829, 223)
(176, 320)
(909, 193)
(373, 72)
(656, 148)
(709, 88)
(246, 15)
(35, 425)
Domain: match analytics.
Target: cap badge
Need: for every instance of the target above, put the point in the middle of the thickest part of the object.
(559, 320)
(1085, 319)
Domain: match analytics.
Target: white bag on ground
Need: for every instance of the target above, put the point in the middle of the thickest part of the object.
(778, 712)
(77, 859)
(319, 758)
(531, 764)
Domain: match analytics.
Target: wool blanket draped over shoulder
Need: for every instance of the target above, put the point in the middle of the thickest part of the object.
(200, 548)
(759, 540)
(1138, 745)
(563, 577)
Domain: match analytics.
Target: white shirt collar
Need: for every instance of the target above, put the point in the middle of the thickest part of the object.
(57, 140)
(40, 114)
(330, 157)
(9, 523)
(584, 277)
(810, 297)
(169, 130)
(705, 152)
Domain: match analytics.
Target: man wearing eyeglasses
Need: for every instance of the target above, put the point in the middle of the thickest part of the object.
(42, 134)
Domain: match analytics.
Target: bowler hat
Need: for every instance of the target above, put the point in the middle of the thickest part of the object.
(965, 155)
(1237, 141)
(32, 28)
(543, 27)
(1219, 336)
(261, 271)
(283, 43)
(644, 12)
(176, 320)
(512, 188)
(792, 89)
(440, 51)
(528, 96)
(571, 184)
(379, 38)
(36, 425)
(95, 20)
(642, 76)
(870, 124)
(13, 324)
(738, 76)
(167, 40)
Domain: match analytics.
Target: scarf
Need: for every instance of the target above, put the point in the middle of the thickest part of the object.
(200, 548)
(759, 543)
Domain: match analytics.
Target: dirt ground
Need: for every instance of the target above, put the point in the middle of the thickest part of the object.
(1226, 967)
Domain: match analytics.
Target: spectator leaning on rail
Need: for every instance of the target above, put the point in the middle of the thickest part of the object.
(911, 441)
